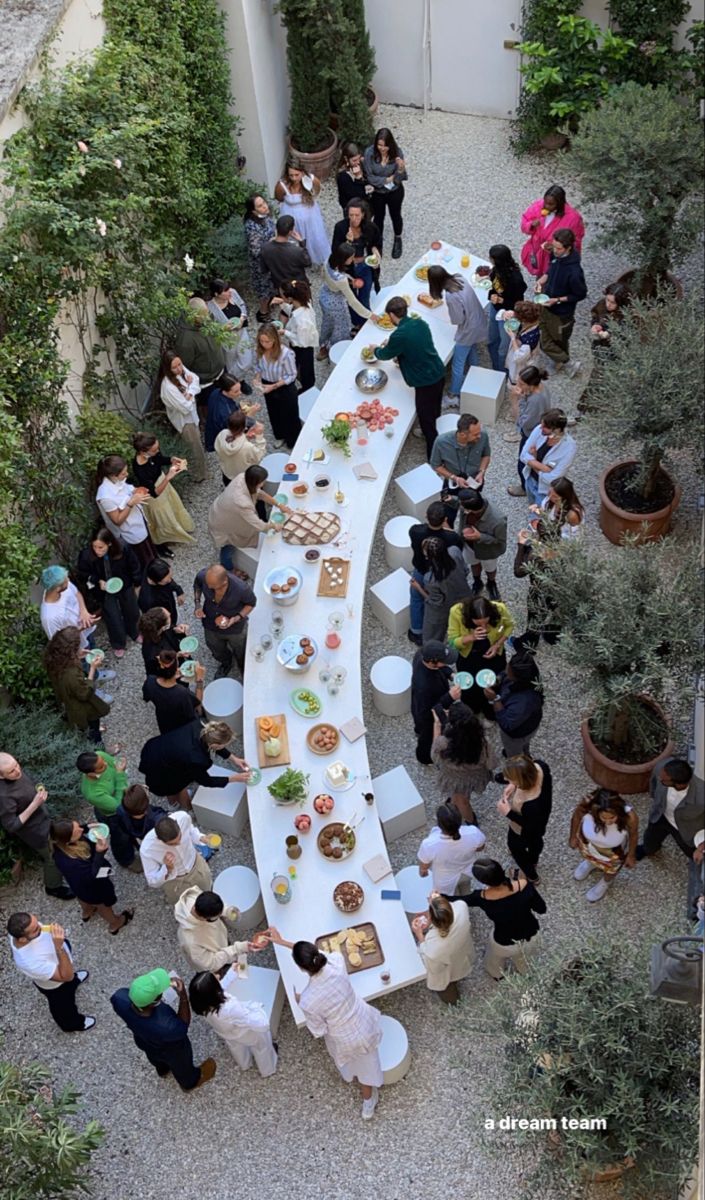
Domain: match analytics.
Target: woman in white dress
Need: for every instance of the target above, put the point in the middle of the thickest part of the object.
(178, 389)
(297, 194)
(242, 1024)
(350, 1027)
(445, 945)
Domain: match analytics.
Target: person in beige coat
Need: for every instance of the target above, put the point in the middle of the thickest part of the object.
(203, 935)
(445, 945)
(232, 519)
(238, 448)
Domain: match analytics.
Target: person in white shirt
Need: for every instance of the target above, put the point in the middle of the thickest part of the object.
(62, 605)
(333, 1010)
(449, 850)
(242, 1024)
(445, 945)
(301, 331)
(170, 859)
(178, 389)
(42, 953)
(119, 503)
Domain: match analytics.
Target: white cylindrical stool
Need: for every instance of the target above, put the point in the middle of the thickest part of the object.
(397, 547)
(447, 422)
(337, 351)
(394, 1052)
(307, 400)
(391, 685)
(239, 887)
(415, 890)
(222, 701)
(274, 466)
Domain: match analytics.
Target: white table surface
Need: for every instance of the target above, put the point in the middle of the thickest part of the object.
(311, 912)
(409, 285)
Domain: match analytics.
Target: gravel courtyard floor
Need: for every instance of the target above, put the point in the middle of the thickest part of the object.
(300, 1132)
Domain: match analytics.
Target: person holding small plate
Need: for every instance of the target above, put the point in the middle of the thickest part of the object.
(547, 454)
(158, 635)
(445, 945)
(507, 287)
(166, 517)
(516, 704)
(468, 316)
(203, 934)
(385, 170)
(79, 853)
(120, 506)
(76, 694)
(109, 574)
(242, 1024)
(174, 704)
(358, 230)
(477, 631)
(298, 194)
(172, 761)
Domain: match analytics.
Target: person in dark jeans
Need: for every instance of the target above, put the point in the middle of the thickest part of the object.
(134, 819)
(676, 808)
(517, 705)
(385, 170)
(411, 344)
(223, 603)
(526, 803)
(159, 1032)
(540, 606)
(431, 688)
(43, 954)
(565, 286)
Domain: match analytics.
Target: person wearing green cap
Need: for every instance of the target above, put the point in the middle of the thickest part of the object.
(159, 1032)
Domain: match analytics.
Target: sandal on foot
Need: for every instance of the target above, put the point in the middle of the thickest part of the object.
(128, 914)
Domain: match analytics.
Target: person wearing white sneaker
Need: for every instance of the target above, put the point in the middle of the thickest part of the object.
(43, 954)
(605, 829)
(333, 1010)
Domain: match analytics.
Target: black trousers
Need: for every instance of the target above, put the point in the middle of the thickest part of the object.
(283, 411)
(62, 1005)
(121, 614)
(525, 851)
(424, 738)
(656, 833)
(305, 366)
(428, 410)
(383, 202)
(176, 1057)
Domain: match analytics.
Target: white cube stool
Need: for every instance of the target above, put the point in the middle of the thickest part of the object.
(222, 701)
(389, 601)
(337, 351)
(397, 547)
(415, 889)
(274, 464)
(394, 1052)
(247, 558)
(263, 985)
(415, 490)
(391, 685)
(223, 809)
(239, 887)
(399, 804)
(307, 400)
(482, 393)
(447, 423)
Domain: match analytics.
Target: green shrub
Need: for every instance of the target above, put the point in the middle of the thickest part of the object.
(47, 750)
(308, 75)
(533, 118)
(651, 27)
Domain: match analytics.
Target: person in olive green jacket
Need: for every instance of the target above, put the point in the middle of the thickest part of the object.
(103, 781)
(421, 367)
(75, 692)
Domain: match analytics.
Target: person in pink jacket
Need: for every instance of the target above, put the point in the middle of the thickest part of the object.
(540, 221)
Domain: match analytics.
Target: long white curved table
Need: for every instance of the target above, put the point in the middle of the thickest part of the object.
(267, 686)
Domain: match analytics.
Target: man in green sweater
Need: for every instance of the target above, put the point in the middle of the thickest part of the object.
(103, 782)
(421, 367)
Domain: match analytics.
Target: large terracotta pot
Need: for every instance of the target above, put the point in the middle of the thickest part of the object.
(320, 163)
(554, 141)
(626, 778)
(616, 521)
(372, 99)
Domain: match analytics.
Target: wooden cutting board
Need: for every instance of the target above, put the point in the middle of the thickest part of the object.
(326, 587)
(368, 960)
(310, 528)
(283, 758)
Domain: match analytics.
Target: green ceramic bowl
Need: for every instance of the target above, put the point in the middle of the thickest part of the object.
(486, 678)
(188, 668)
(463, 679)
(188, 645)
(541, 298)
(99, 832)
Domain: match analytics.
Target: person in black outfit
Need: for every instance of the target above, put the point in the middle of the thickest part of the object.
(87, 871)
(159, 1032)
(174, 704)
(431, 689)
(508, 286)
(510, 904)
(358, 230)
(158, 635)
(160, 589)
(148, 465)
(351, 176)
(436, 525)
(134, 818)
(107, 557)
(516, 703)
(526, 803)
(540, 619)
(172, 761)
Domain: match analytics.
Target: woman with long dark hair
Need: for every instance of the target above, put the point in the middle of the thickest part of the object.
(242, 1024)
(87, 871)
(526, 803)
(444, 584)
(562, 508)
(540, 222)
(334, 1011)
(507, 288)
(105, 558)
(178, 389)
(385, 170)
(167, 518)
(158, 635)
(510, 905)
(297, 194)
(259, 229)
(74, 690)
(463, 756)
(607, 313)
(358, 230)
(119, 503)
(468, 316)
(351, 176)
(276, 378)
(300, 330)
(478, 629)
(174, 704)
(235, 519)
(336, 296)
(605, 829)
(227, 307)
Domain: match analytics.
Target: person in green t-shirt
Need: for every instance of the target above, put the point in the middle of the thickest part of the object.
(411, 344)
(103, 782)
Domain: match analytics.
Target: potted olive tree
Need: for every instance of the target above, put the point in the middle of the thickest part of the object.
(639, 155)
(632, 632)
(607, 1074)
(646, 399)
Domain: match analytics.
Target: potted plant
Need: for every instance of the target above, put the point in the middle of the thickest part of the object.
(607, 1075)
(312, 143)
(533, 124)
(639, 155)
(634, 636)
(648, 397)
(337, 434)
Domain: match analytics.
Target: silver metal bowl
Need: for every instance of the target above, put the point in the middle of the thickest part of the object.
(371, 379)
(279, 576)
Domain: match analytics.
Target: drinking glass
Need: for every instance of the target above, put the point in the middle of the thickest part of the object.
(339, 675)
(324, 675)
(265, 641)
(258, 653)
